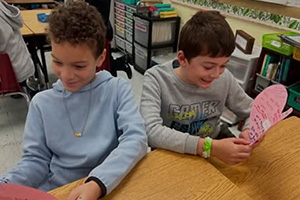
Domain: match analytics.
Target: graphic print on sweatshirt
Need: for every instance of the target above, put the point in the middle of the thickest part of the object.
(193, 118)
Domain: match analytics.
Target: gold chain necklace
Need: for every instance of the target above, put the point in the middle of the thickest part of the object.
(78, 134)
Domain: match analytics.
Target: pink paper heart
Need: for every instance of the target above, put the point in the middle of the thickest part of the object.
(20, 192)
(267, 110)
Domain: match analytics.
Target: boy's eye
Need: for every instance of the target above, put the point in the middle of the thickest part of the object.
(80, 66)
(57, 62)
(207, 67)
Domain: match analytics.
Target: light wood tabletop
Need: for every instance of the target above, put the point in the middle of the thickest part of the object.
(30, 1)
(25, 31)
(31, 21)
(272, 171)
(169, 176)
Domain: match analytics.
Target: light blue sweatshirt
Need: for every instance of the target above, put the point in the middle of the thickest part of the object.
(113, 141)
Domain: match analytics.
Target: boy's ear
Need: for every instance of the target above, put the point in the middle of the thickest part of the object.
(101, 58)
(181, 58)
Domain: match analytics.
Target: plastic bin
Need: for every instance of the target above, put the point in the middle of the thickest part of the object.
(120, 17)
(120, 42)
(261, 83)
(296, 54)
(120, 31)
(141, 55)
(160, 59)
(275, 83)
(294, 96)
(129, 15)
(130, 9)
(129, 21)
(120, 12)
(120, 23)
(128, 27)
(128, 36)
(132, 2)
(120, 5)
(273, 42)
(128, 47)
(286, 86)
(240, 69)
(163, 32)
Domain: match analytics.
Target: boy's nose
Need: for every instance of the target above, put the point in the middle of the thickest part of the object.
(67, 73)
(216, 73)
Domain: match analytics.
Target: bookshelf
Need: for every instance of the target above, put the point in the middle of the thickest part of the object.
(262, 82)
(153, 36)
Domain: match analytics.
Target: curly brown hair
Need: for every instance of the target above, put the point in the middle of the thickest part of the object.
(78, 23)
(207, 33)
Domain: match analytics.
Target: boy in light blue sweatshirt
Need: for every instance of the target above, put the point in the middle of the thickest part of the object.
(88, 124)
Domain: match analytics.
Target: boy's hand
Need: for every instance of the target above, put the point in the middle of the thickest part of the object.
(231, 150)
(245, 135)
(87, 191)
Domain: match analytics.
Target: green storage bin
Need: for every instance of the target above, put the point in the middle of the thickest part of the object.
(294, 97)
(273, 42)
(130, 9)
(132, 2)
(261, 83)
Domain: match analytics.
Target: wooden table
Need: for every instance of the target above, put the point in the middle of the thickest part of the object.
(35, 33)
(31, 21)
(25, 31)
(30, 1)
(273, 170)
(169, 176)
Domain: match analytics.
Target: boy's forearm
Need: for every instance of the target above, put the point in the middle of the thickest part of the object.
(166, 138)
(214, 147)
(100, 188)
(200, 146)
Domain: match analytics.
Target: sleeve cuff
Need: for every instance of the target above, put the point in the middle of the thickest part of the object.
(4, 180)
(99, 182)
(246, 124)
(191, 145)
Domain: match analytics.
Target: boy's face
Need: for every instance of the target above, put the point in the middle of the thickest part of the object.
(200, 70)
(75, 65)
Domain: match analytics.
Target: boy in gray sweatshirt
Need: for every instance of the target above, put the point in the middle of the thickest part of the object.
(11, 41)
(182, 106)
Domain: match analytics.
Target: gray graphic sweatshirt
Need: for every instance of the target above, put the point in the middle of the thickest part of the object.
(177, 113)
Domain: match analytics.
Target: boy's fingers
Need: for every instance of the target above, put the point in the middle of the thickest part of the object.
(241, 141)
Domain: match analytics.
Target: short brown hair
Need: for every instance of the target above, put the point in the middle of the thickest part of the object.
(208, 34)
(78, 23)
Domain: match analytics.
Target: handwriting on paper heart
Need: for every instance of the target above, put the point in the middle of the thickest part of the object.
(267, 110)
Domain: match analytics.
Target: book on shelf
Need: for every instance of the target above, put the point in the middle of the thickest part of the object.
(276, 68)
(263, 64)
(271, 72)
(280, 69)
(276, 75)
(286, 70)
(293, 40)
(266, 64)
(269, 61)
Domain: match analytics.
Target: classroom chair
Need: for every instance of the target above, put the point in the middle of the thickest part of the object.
(113, 65)
(8, 81)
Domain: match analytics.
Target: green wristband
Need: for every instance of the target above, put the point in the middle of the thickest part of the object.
(207, 147)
